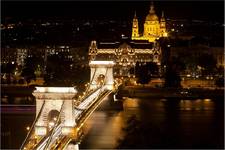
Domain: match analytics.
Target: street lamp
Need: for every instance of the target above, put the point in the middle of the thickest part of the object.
(27, 128)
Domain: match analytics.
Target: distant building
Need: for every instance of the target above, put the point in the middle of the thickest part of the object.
(8, 55)
(153, 27)
(18, 55)
(141, 48)
(125, 54)
(55, 50)
(198, 50)
(21, 56)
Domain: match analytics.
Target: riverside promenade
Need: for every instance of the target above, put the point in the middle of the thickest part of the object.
(152, 92)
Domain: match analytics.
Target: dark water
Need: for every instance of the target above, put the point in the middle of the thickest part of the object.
(164, 124)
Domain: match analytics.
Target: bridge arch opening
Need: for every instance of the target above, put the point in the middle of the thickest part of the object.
(100, 79)
(101, 71)
(52, 118)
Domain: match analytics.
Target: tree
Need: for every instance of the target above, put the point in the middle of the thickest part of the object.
(172, 75)
(28, 74)
(31, 63)
(172, 78)
(208, 62)
(59, 71)
(142, 73)
(8, 68)
(153, 68)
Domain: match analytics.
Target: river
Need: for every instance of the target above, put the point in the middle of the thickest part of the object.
(143, 123)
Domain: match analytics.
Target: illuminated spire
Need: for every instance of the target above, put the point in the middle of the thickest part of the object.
(135, 26)
(162, 17)
(135, 15)
(152, 11)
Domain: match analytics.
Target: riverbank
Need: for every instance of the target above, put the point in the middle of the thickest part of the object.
(151, 92)
(136, 92)
(17, 90)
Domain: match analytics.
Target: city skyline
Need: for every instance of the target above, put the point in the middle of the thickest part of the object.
(112, 74)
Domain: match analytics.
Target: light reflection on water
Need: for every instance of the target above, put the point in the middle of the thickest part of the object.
(104, 130)
(196, 123)
(191, 122)
(206, 104)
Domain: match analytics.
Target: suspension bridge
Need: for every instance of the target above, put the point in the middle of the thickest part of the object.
(60, 116)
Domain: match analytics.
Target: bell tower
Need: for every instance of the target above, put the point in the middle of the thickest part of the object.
(163, 25)
(135, 32)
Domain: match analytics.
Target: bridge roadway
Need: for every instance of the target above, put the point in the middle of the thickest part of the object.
(54, 139)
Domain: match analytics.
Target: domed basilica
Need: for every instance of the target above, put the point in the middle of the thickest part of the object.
(153, 27)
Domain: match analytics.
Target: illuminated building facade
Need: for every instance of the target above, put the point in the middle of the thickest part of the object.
(125, 54)
(141, 48)
(153, 27)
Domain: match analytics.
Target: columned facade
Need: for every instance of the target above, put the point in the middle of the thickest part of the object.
(125, 54)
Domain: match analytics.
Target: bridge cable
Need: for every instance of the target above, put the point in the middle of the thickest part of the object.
(99, 91)
(32, 127)
(92, 78)
(102, 85)
(50, 138)
(90, 82)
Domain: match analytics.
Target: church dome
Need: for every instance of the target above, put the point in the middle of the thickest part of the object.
(151, 16)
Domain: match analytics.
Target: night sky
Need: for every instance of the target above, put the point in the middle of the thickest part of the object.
(202, 10)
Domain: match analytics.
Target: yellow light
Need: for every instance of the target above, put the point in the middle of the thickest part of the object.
(51, 124)
(28, 128)
(165, 34)
(207, 100)
(188, 75)
(66, 130)
(102, 63)
(56, 89)
(163, 100)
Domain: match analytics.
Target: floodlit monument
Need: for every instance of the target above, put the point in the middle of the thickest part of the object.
(153, 27)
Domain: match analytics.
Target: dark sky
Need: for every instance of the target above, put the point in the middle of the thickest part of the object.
(204, 10)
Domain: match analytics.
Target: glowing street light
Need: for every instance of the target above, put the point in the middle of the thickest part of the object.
(51, 124)
(27, 128)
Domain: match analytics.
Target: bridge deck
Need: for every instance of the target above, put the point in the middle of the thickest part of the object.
(86, 107)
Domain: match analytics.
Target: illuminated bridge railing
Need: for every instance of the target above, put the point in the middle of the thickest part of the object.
(86, 107)
(89, 102)
(64, 141)
(85, 114)
(42, 143)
